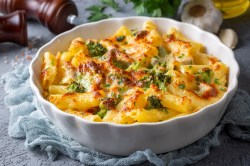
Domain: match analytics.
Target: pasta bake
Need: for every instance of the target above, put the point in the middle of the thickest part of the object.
(133, 76)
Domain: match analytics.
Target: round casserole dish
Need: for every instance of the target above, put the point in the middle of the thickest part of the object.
(123, 140)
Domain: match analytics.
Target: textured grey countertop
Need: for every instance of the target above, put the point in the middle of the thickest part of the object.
(13, 152)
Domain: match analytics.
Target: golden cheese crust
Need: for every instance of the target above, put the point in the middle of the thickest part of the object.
(133, 77)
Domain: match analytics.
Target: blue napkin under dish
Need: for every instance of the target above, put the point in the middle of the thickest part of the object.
(29, 123)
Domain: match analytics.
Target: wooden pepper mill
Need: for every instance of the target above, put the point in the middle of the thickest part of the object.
(13, 28)
(53, 14)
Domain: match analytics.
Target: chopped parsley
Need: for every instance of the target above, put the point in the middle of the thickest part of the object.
(164, 78)
(164, 110)
(181, 56)
(161, 51)
(121, 64)
(120, 38)
(182, 86)
(156, 78)
(216, 81)
(134, 32)
(102, 113)
(52, 63)
(96, 49)
(106, 104)
(106, 85)
(76, 87)
(134, 66)
(160, 80)
(206, 76)
(223, 89)
(153, 102)
(145, 82)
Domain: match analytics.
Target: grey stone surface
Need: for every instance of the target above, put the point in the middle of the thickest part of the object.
(13, 152)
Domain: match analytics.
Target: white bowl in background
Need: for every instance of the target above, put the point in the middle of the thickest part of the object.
(123, 140)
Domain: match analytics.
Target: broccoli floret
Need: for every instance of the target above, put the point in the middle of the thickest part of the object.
(96, 49)
(76, 87)
(154, 102)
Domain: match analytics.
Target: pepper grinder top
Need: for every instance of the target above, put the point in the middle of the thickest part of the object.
(52, 14)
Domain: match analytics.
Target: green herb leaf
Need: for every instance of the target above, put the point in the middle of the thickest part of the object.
(223, 89)
(96, 49)
(181, 56)
(96, 13)
(102, 113)
(106, 85)
(76, 87)
(206, 75)
(121, 64)
(164, 110)
(160, 80)
(120, 38)
(112, 4)
(155, 8)
(216, 81)
(182, 86)
(162, 51)
(153, 102)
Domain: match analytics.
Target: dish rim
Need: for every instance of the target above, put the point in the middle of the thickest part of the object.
(42, 100)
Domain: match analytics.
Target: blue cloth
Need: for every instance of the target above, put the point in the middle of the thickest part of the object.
(29, 123)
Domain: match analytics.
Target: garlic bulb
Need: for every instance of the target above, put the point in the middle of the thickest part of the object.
(203, 14)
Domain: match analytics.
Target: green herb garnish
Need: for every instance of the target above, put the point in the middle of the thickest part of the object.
(96, 49)
(181, 56)
(120, 38)
(121, 64)
(106, 85)
(153, 102)
(206, 76)
(216, 81)
(76, 87)
(155, 8)
(182, 86)
(162, 51)
(112, 4)
(96, 13)
(102, 112)
(223, 89)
